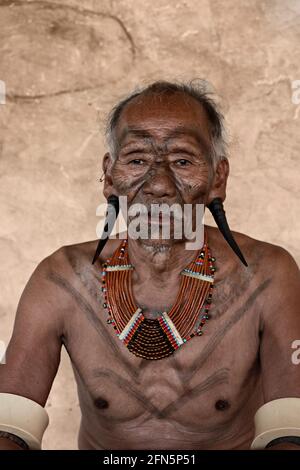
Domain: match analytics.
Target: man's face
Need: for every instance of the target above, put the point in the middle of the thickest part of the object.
(162, 152)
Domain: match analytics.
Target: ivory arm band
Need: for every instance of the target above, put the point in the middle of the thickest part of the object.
(277, 418)
(23, 417)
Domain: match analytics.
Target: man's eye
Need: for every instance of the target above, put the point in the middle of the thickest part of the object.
(182, 162)
(136, 161)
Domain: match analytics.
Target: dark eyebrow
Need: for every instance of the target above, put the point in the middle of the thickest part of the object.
(182, 130)
(176, 132)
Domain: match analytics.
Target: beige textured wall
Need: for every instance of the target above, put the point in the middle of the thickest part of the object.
(66, 63)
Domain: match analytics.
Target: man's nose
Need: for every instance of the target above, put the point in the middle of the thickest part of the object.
(160, 184)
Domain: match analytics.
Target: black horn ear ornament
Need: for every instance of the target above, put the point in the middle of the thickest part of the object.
(112, 213)
(218, 213)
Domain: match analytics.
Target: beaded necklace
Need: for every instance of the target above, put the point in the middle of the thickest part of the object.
(161, 337)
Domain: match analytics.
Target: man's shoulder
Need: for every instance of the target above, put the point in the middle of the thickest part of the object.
(271, 254)
(258, 253)
(73, 256)
(268, 257)
(261, 255)
(278, 271)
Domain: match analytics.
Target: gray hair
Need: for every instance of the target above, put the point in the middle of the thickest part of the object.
(199, 90)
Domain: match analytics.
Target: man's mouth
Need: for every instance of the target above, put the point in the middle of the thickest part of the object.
(158, 219)
(157, 214)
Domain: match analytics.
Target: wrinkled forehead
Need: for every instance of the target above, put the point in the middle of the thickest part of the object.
(164, 118)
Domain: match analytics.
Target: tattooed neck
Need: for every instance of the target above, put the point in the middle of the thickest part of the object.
(153, 313)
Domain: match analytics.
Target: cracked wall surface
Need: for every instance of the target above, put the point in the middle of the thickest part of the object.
(65, 64)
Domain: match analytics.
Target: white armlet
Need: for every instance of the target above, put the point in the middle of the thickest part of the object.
(277, 418)
(24, 418)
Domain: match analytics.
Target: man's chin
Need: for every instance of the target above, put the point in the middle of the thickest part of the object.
(158, 244)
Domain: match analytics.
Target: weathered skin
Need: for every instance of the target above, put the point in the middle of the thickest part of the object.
(206, 394)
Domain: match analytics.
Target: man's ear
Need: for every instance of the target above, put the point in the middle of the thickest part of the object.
(107, 163)
(218, 187)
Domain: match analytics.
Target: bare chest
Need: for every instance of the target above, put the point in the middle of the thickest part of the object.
(206, 380)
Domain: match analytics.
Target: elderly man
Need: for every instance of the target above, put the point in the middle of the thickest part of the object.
(172, 348)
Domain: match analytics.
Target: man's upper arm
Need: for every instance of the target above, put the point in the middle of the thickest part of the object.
(280, 328)
(33, 354)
